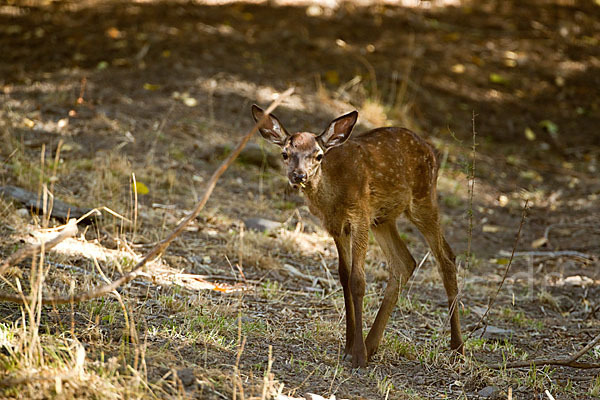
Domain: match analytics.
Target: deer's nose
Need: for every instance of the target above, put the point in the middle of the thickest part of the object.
(298, 176)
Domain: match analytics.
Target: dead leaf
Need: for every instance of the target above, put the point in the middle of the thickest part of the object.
(477, 61)
(28, 123)
(63, 122)
(102, 65)
(151, 86)
(550, 127)
(491, 228)
(539, 242)
(497, 78)
(452, 37)
(529, 134)
(458, 68)
(332, 77)
(190, 101)
(141, 188)
(114, 33)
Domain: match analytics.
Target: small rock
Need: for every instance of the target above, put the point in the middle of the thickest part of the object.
(262, 224)
(479, 311)
(187, 377)
(493, 332)
(23, 212)
(487, 391)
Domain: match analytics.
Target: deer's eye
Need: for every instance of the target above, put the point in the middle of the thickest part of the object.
(285, 156)
(319, 157)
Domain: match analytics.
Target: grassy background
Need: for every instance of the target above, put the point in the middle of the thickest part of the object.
(96, 92)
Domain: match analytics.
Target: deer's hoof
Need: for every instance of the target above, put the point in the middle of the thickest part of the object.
(459, 348)
(356, 363)
(371, 351)
(347, 352)
(359, 358)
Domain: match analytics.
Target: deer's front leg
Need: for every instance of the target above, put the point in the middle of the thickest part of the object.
(360, 241)
(343, 246)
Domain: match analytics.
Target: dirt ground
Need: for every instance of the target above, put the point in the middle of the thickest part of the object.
(159, 88)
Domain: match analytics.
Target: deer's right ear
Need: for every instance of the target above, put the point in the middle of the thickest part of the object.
(271, 129)
(338, 132)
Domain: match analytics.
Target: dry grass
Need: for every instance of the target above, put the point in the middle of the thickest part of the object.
(179, 336)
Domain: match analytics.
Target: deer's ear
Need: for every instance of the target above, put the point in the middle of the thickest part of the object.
(338, 131)
(271, 129)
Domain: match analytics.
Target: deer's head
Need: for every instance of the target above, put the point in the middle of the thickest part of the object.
(303, 152)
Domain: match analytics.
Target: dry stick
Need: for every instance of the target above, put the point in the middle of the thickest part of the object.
(493, 299)
(471, 190)
(162, 245)
(550, 254)
(471, 193)
(53, 180)
(565, 362)
(70, 229)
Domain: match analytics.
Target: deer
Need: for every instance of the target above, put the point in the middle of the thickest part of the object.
(356, 183)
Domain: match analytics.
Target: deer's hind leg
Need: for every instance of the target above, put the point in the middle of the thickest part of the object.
(360, 242)
(424, 215)
(401, 265)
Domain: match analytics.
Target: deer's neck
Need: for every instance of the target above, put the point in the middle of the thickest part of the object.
(314, 186)
(317, 195)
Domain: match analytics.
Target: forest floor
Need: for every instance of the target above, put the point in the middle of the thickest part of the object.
(96, 92)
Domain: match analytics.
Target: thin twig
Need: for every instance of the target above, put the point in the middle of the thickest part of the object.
(471, 188)
(162, 245)
(69, 230)
(493, 299)
(570, 361)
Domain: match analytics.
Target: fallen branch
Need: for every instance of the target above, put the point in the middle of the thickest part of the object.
(551, 254)
(565, 362)
(568, 224)
(162, 245)
(69, 230)
(493, 299)
(60, 209)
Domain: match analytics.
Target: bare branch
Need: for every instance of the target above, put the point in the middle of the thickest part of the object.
(162, 245)
(493, 299)
(550, 254)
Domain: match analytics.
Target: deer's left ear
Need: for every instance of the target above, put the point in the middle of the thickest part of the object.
(271, 129)
(338, 132)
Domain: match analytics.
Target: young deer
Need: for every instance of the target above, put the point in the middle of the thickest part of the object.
(366, 183)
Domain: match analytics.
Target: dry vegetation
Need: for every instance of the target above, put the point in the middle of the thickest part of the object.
(97, 94)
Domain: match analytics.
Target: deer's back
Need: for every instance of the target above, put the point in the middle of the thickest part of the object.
(381, 171)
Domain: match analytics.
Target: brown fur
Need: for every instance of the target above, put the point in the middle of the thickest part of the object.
(303, 141)
(365, 183)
